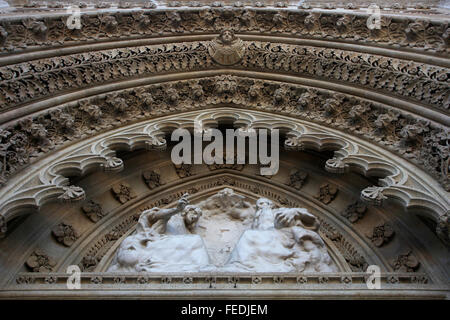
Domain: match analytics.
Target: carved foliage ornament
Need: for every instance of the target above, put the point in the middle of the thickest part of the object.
(327, 193)
(426, 34)
(183, 170)
(381, 234)
(152, 179)
(93, 210)
(424, 83)
(406, 262)
(427, 146)
(355, 211)
(65, 234)
(123, 192)
(39, 261)
(297, 178)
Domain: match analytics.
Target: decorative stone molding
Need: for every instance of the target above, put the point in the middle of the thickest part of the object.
(3, 227)
(65, 234)
(416, 81)
(396, 29)
(356, 261)
(240, 284)
(53, 183)
(381, 234)
(392, 130)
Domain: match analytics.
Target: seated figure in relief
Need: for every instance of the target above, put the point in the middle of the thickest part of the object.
(280, 240)
(164, 242)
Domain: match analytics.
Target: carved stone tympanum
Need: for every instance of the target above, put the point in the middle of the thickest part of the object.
(224, 233)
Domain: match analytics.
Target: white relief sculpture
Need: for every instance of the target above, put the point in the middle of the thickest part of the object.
(164, 242)
(224, 233)
(280, 240)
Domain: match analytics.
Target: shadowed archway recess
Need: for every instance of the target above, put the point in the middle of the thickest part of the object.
(362, 111)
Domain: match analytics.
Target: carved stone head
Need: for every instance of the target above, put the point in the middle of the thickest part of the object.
(191, 214)
(227, 37)
(262, 203)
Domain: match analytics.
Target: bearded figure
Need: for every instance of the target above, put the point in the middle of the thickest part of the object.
(165, 241)
(280, 240)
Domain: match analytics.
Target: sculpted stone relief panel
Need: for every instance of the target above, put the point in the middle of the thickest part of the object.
(210, 224)
(265, 240)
